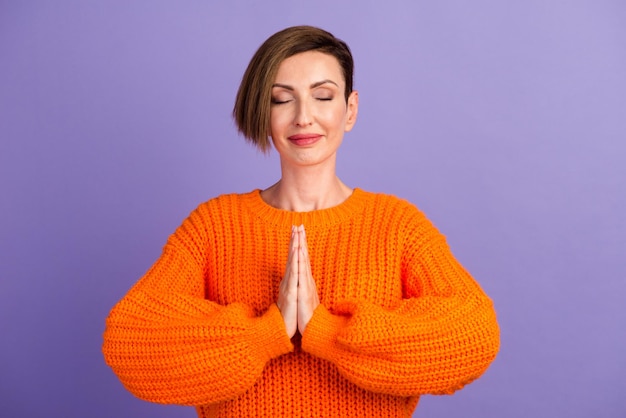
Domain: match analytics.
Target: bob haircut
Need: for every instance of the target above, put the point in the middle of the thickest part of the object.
(253, 103)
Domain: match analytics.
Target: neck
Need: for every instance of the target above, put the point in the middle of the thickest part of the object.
(306, 189)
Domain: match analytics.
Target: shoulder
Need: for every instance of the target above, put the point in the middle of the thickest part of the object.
(217, 210)
(392, 205)
(227, 202)
(400, 215)
(215, 214)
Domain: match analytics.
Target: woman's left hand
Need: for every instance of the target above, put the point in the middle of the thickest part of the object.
(308, 299)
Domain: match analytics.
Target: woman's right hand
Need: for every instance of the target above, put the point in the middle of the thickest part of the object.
(288, 290)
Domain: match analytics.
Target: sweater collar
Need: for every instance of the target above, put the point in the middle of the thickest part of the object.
(350, 207)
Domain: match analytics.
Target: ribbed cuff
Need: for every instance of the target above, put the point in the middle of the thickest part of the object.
(320, 335)
(270, 334)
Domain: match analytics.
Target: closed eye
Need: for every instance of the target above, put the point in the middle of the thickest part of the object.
(278, 102)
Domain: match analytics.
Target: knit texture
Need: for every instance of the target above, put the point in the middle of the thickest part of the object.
(399, 316)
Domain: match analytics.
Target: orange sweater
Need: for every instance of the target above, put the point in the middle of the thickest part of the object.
(399, 316)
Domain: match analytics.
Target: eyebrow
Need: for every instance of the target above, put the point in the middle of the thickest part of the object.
(314, 85)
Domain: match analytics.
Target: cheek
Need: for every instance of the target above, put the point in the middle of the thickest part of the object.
(282, 113)
(333, 117)
(277, 121)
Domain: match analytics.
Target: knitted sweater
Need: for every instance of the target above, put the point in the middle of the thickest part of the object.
(399, 316)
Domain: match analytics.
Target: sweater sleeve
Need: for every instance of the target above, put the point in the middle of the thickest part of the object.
(442, 335)
(168, 344)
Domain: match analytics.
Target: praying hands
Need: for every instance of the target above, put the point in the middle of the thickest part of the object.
(297, 295)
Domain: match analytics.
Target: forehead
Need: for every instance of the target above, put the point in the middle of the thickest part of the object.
(309, 67)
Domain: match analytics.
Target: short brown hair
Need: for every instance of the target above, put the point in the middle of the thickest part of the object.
(252, 106)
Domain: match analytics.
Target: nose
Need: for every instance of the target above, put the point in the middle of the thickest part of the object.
(303, 115)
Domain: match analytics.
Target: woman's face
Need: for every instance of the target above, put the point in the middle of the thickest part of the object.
(309, 113)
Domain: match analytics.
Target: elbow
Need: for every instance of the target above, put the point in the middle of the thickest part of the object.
(481, 353)
(485, 341)
(481, 349)
(166, 377)
(489, 337)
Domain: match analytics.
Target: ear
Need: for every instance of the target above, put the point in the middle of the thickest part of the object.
(352, 111)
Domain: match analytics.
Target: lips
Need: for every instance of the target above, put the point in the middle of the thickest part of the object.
(304, 139)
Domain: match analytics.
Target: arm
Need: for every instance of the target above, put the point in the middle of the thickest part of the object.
(442, 336)
(168, 344)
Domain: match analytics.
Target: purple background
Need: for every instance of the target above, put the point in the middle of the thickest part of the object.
(504, 121)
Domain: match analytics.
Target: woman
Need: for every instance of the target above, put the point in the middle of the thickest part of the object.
(308, 298)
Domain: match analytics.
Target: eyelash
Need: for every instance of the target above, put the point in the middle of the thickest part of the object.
(280, 102)
(321, 99)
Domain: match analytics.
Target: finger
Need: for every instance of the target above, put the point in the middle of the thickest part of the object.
(290, 255)
(287, 300)
(302, 259)
(308, 299)
(294, 259)
(289, 283)
(308, 274)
